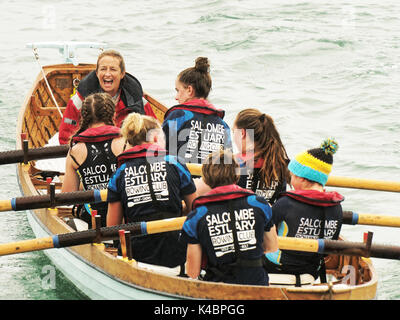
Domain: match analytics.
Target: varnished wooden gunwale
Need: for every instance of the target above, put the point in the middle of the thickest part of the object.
(33, 116)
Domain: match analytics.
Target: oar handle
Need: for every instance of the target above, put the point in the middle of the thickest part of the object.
(16, 156)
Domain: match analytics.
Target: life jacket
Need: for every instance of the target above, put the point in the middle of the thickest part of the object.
(250, 179)
(131, 90)
(307, 214)
(221, 271)
(148, 151)
(100, 163)
(197, 105)
(146, 200)
(196, 129)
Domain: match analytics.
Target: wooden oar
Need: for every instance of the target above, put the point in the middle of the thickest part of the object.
(17, 156)
(53, 199)
(89, 236)
(334, 181)
(143, 228)
(350, 217)
(95, 196)
(355, 183)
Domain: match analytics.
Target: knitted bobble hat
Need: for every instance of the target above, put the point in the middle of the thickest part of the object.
(315, 164)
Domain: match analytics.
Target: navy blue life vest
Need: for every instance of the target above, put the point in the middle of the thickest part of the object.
(229, 223)
(194, 130)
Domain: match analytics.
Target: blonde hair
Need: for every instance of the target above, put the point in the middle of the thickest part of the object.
(220, 169)
(136, 127)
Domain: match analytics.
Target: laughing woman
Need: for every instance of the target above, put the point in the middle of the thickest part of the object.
(109, 77)
(149, 185)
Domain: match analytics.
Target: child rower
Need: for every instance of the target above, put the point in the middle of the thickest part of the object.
(149, 185)
(91, 159)
(195, 128)
(307, 212)
(230, 226)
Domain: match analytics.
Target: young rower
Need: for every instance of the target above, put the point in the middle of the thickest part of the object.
(230, 226)
(149, 185)
(195, 128)
(262, 156)
(307, 212)
(91, 159)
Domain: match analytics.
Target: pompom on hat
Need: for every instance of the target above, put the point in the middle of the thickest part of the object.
(315, 164)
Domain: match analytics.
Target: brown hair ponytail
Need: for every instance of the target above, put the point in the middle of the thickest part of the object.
(267, 144)
(198, 77)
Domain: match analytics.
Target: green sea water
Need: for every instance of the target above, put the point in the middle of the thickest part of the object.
(319, 68)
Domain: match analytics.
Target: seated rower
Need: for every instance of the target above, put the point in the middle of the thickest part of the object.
(307, 212)
(230, 226)
(149, 185)
(262, 156)
(109, 77)
(194, 128)
(91, 159)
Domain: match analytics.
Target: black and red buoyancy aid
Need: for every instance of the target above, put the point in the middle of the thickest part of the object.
(222, 193)
(97, 134)
(207, 109)
(141, 151)
(100, 162)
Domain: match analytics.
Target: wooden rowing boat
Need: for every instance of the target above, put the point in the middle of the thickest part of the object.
(99, 273)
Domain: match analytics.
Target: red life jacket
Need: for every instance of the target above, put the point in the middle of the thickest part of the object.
(140, 151)
(97, 134)
(198, 105)
(222, 193)
(315, 197)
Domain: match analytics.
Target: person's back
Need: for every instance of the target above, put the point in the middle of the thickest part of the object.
(307, 212)
(195, 128)
(149, 185)
(232, 227)
(262, 155)
(92, 157)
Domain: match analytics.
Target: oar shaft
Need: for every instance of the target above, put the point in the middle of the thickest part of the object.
(15, 156)
(355, 183)
(26, 246)
(350, 217)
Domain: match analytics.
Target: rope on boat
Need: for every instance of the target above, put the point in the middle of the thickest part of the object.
(35, 53)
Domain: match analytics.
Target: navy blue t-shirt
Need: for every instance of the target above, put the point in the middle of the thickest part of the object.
(171, 181)
(209, 226)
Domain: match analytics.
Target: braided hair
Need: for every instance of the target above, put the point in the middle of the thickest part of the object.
(96, 108)
(267, 145)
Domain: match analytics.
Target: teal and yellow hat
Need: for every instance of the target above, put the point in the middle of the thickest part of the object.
(315, 164)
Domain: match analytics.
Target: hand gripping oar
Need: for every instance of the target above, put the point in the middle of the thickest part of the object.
(143, 228)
